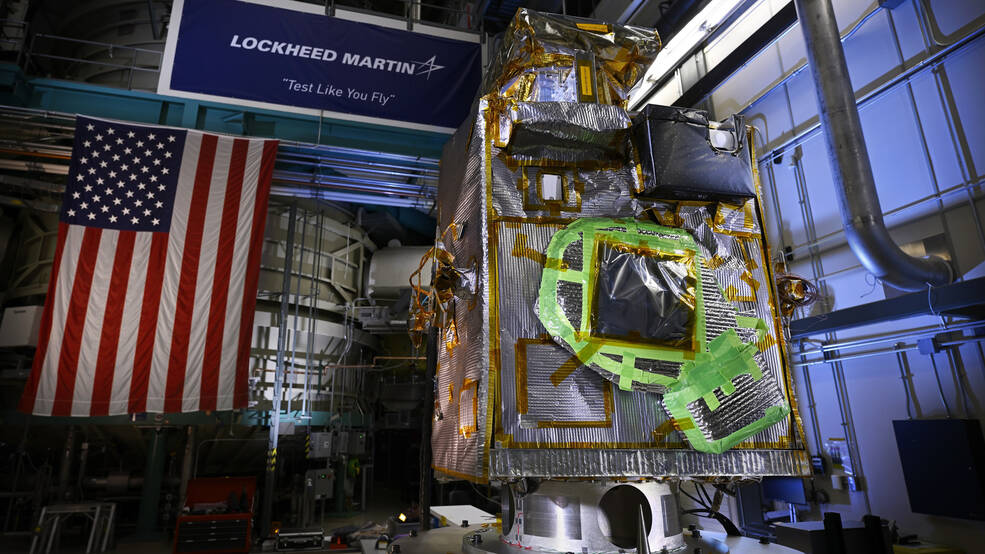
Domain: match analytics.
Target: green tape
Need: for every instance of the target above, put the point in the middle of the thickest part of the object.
(711, 400)
(752, 323)
(728, 357)
(708, 368)
(625, 382)
(590, 231)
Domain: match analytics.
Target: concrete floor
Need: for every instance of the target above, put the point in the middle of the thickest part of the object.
(381, 505)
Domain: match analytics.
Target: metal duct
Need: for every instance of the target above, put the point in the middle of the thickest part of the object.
(855, 186)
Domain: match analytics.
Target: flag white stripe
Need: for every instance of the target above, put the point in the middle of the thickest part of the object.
(45, 399)
(237, 277)
(85, 374)
(172, 273)
(206, 275)
(126, 350)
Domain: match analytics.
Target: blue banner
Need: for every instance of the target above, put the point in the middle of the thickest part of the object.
(240, 50)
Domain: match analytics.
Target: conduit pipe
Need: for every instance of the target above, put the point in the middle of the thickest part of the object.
(854, 183)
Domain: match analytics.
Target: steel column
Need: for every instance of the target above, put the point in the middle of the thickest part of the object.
(150, 494)
(65, 469)
(187, 463)
(430, 367)
(270, 480)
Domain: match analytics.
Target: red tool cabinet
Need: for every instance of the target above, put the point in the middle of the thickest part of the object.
(227, 527)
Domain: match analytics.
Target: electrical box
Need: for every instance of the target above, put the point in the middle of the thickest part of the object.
(322, 481)
(286, 427)
(320, 445)
(20, 326)
(357, 443)
(342, 442)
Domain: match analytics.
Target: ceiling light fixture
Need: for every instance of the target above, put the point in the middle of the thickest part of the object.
(684, 42)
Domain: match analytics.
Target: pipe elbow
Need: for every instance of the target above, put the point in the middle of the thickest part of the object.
(879, 254)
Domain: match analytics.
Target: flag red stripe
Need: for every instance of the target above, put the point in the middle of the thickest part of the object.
(185, 304)
(220, 282)
(31, 387)
(109, 338)
(150, 303)
(253, 273)
(68, 361)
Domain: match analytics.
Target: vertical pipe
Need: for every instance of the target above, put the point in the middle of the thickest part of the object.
(150, 15)
(940, 387)
(312, 299)
(957, 369)
(903, 375)
(81, 473)
(848, 426)
(812, 408)
(927, 159)
(65, 470)
(342, 423)
(297, 314)
(133, 60)
(150, 494)
(949, 114)
(431, 365)
(854, 183)
(269, 482)
(187, 462)
(340, 477)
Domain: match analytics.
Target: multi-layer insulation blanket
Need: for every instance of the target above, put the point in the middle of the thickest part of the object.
(594, 320)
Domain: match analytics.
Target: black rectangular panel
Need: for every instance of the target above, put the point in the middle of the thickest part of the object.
(943, 466)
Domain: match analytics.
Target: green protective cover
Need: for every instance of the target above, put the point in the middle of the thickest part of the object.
(711, 366)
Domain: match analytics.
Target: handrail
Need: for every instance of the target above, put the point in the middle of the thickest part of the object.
(95, 62)
(95, 43)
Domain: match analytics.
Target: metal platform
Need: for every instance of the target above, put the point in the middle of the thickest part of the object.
(102, 515)
(479, 539)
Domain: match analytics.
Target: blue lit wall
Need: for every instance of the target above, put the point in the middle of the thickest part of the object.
(926, 139)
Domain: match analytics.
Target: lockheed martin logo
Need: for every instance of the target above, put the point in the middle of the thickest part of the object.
(428, 67)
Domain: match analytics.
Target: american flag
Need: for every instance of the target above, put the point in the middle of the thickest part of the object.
(153, 285)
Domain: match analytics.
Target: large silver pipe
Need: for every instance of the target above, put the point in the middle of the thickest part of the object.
(855, 186)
